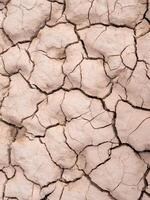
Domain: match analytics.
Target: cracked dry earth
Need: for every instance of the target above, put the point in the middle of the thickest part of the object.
(75, 99)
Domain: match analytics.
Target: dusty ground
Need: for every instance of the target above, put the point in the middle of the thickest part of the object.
(75, 99)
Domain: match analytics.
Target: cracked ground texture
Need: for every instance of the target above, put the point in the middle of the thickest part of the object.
(75, 99)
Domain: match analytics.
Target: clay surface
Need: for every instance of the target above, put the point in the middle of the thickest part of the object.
(74, 99)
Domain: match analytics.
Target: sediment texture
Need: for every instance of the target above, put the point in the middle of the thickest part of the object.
(75, 99)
